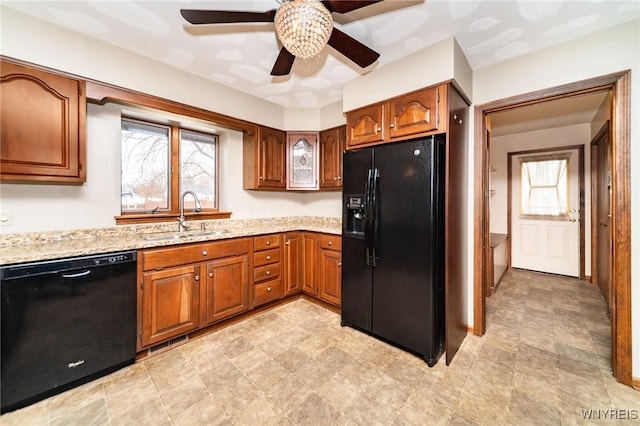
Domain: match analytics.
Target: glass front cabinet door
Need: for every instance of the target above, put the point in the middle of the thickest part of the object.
(302, 165)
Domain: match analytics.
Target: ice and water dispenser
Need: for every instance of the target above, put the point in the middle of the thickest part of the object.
(354, 214)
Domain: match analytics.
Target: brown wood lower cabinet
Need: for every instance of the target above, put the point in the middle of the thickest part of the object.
(330, 269)
(183, 288)
(227, 288)
(187, 287)
(309, 263)
(170, 300)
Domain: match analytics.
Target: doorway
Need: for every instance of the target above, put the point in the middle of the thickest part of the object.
(545, 210)
(618, 85)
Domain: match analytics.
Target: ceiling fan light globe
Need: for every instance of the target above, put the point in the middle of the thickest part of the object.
(303, 27)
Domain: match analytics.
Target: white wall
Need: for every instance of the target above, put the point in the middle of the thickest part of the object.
(579, 134)
(613, 50)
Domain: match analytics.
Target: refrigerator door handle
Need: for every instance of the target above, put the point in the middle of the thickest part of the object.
(375, 191)
(368, 217)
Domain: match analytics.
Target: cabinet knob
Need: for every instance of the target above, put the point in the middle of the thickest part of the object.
(335, 178)
(379, 129)
(204, 252)
(269, 289)
(268, 272)
(268, 257)
(392, 125)
(339, 177)
(287, 242)
(197, 278)
(339, 263)
(261, 177)
(330, 243)
(268, 243)
(210, 274)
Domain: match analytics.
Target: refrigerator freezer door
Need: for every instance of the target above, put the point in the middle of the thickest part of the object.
(403, 292)
(356, 275)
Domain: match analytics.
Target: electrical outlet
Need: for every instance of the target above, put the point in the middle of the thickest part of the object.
(6, 218)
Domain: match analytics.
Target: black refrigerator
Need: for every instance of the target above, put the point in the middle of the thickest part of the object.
(393, 252)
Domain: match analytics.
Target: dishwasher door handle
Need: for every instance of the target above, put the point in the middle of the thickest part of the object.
(78, 274)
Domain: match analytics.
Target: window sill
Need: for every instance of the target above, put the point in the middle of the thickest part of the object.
(133, 218)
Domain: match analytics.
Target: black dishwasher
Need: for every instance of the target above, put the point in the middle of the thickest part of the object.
(65, 322)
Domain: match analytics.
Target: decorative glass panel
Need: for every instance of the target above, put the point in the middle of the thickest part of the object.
(544, 185)
(303, 163)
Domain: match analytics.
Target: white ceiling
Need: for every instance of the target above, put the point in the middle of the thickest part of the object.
(242, 55)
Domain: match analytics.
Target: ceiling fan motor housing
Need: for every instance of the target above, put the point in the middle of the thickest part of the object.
(303, 27)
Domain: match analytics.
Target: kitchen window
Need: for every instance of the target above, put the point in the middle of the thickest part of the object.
(160, 162)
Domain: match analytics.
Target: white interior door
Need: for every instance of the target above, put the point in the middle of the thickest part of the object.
(544, 212)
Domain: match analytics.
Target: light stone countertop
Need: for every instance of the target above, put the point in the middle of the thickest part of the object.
(31, 247)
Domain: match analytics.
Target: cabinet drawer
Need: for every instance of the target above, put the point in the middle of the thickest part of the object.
(266, 242)
(331, 242)
(267, 292)
(266, 257)
(188, 253)
(262, 273)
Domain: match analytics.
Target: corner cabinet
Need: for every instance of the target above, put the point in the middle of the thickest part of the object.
(414, 114)
(331, 146)
(264, 156)
(43, 133)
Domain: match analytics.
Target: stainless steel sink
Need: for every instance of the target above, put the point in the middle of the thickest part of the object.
(164, 236)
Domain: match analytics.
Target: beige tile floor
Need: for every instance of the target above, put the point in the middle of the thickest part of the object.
(544, 358)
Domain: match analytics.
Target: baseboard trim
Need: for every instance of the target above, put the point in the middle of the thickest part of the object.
(635, 383)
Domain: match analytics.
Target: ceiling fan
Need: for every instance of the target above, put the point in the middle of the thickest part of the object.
(303, 26)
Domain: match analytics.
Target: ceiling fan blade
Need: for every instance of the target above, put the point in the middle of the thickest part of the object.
(341, 6)
(225, 17)
(283, 63)
(352, 48)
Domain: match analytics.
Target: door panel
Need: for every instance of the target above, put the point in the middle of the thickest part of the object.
(547, 244)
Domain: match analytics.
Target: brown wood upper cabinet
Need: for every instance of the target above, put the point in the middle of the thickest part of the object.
(302, 161)
(43, 133)
(264, 159)
(331, 147)
(414, 114)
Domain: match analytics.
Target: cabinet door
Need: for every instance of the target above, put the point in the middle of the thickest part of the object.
(292, 263)
(271, 158)
(302, 167)
(309, 263)
(227, 288)
(331, 147)
(365, 126)
(43, 126)
(330, 270)
(414, 113)
(170, 303)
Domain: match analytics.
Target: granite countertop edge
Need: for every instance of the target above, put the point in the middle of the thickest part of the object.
(32, 247)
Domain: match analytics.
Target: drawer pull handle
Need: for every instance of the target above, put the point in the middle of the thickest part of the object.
(204, 252)
(268, 257)
(268, 272)
(269, 289)
(210, 274)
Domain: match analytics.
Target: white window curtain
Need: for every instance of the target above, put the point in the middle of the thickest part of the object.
(544, 185)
